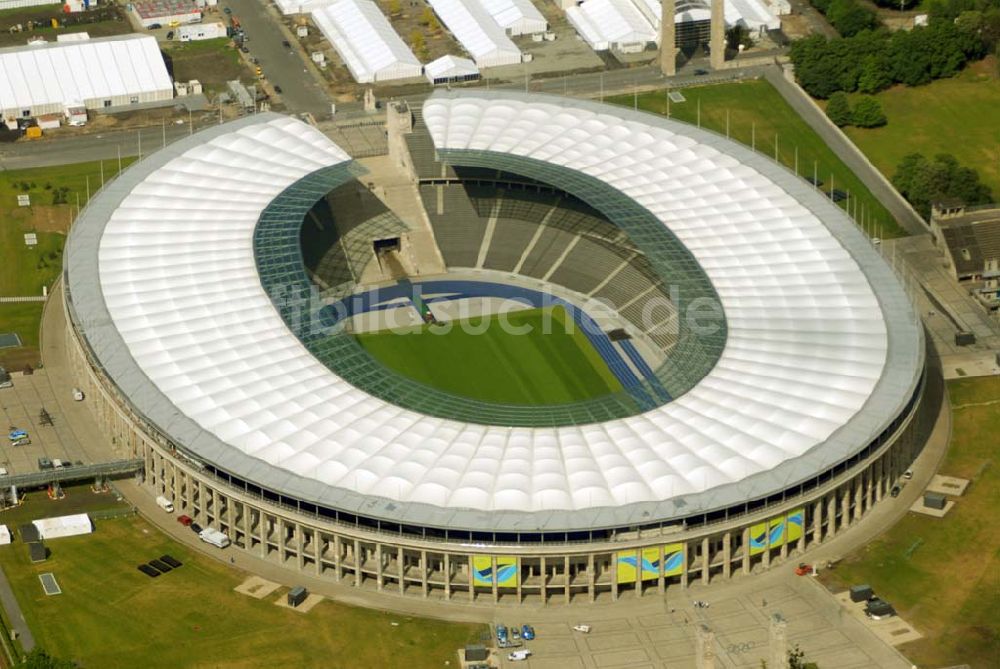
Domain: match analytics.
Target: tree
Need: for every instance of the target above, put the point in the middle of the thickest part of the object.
(416, 40)
(850, 17)
(737, 35)
(868, 113)
(838, 109)
(923, 182)
(875, 75)
(395, 8)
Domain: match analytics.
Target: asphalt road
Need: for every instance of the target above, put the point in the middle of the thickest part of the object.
(282, 66)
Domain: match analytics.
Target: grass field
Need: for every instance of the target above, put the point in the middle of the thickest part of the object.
(949, 587)
(112, 616)
(957, 116)
(213, 62)
(758, 116)
(497, 366)
(23, 269)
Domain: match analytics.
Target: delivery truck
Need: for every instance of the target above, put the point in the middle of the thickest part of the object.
(165, 504)
(214, 537)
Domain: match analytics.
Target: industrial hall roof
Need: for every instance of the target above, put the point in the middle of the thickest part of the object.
(823, 349)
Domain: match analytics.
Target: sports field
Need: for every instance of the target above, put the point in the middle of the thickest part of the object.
(759, 117)
(484, 360)
(943, 575)
(110, 615)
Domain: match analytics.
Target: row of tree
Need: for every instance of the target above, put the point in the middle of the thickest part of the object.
(922, 182)
(848, 17)
(873, 60)
(867, 111)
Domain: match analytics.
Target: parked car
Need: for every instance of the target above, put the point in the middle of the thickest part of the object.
(170, 34)
(277, 89)
(515, 633)
(908, 474)
(895, 491)
(285, 43)
(44, 463)
(700, 72)
(519, 655)
(196, 528)
(244, 49)
(155, 26)
(226, 10)
(502, 634)
(184, 520)
(583, 629)
(527, 632)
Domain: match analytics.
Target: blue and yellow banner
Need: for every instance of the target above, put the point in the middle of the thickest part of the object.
(670, 556)
(777, 531)
(758, 538)
(506, 575)
(796, 525)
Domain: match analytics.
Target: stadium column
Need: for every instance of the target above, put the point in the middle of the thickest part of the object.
(357, 563)
(447, 577)
(727, 555)
(519, 579)
(638, 572)
(668, 39)
(336, 558)
(859, 507)
(684, 567)
(706, 562)
(717, 37)
(817, 522)
(869, 493)
(783, 551)
(831, 514)
(401, 565)
(247, 529)
(746, 550)
(544, 573)
(282, 543)
(472, 578)
(231, 516)
(591, 579)
(614, 577)
(879, 478)
(300, 547)
(565, 575)
(845, 506)
(493, 562)
(318, 551)
(423, 574)
(379, 576)
(661, 579)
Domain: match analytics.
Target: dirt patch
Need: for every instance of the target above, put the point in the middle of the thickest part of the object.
(102, 21)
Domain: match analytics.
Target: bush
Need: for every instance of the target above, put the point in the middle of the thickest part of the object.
(922, 182)
(868, 113)
(838, 109)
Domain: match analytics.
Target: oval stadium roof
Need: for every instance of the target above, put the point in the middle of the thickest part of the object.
(823, 348)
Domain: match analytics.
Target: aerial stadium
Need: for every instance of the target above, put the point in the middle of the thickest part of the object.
(545, 350)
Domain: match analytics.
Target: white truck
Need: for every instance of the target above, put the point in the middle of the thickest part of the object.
(214, 537)
(165, 504)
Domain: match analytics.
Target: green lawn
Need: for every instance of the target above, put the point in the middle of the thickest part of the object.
(758, 116)
(960, 116)
(25, 270)
(213, 62)
(110, 615)
(548, 365)
(949, 587)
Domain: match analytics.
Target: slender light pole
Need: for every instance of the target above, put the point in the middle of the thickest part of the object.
(139, 135)
(753, 136)
(699, 111)
(88, 189)
(102, 174)
(163, 130)
(727, 123)
(775, 147)
(119, 159)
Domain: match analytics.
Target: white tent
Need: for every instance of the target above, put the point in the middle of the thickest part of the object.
(476, 30)
(108, 72)
(516, 17)
(450, 69)
(366, 41)
(612, 24)
(4, 535)
(63, 526)
(301, 6)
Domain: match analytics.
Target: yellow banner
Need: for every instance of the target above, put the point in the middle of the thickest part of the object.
(625, 561)
(796, 525)
(668, 558)
(758, 538)
(507, 572)
(673, 559)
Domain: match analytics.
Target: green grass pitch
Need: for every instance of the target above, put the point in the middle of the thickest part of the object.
(536, 368)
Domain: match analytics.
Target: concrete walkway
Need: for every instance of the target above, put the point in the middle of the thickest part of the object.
(845, 149)
(14, 615)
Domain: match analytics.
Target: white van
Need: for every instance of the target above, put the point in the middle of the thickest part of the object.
(214, 537)
(165, 504)
(519, 655)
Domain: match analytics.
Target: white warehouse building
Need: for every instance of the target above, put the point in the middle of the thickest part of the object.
(99, 73)
(516, 17)
(478, 32)
(612, 24)
(366, 42)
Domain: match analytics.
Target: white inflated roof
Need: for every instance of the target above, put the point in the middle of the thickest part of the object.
(58, 72)
(366, 42)
(807, 339)
(477, 32)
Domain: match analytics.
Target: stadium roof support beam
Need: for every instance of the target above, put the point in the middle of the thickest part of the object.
(668, 52)
(717, 43)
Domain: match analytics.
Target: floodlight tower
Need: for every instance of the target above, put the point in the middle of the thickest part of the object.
(717, 36)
